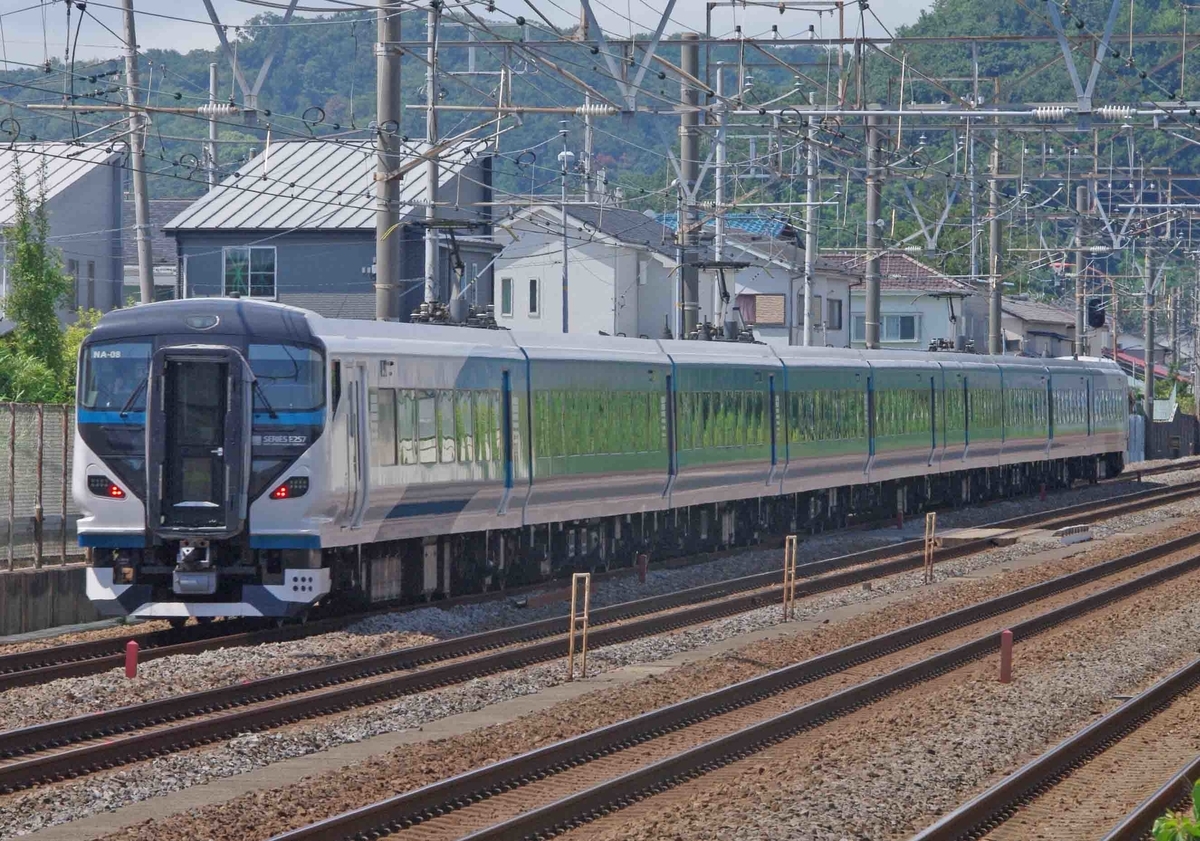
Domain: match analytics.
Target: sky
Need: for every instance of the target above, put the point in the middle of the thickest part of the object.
(32, 29)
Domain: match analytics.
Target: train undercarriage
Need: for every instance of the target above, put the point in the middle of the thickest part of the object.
(434, 568)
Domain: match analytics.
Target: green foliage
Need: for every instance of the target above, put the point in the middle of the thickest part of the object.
(1180, 826)
(38, 359)
(26, 379)
(37, 284)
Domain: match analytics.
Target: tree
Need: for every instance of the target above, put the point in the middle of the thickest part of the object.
(36, 282)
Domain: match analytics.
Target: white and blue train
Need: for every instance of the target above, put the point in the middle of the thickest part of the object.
(245, 458)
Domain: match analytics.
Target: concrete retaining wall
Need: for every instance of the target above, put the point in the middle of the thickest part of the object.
(33, 599)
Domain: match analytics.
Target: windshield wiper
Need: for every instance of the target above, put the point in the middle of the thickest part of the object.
(136, 393)
(263, 396)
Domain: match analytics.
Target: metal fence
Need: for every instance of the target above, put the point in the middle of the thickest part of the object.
(36, 442)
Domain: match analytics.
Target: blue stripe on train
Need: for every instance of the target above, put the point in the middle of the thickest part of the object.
(113, 541)
(110, 418)
(285, 541)
(426, 509)
(315, 418)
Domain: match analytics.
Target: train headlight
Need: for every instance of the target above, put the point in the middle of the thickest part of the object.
(292, 488)
(101, 485)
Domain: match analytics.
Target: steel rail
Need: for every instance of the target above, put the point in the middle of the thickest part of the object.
(536, 642)
(991, 808)
(448, 795)
(1175, 792)
(35, 667)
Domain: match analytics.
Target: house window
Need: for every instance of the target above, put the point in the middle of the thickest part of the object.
(768, 309)
(475, 284)
(534, 298)
(893, 328)
(91, 284)
(746, 306)
(73, 273)
(249, 271)
(834, 320)
(506, 292)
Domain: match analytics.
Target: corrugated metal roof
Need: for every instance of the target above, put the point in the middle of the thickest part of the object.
(311, 184)
(63, 164)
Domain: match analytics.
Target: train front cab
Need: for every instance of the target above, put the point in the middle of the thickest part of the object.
(173, 444)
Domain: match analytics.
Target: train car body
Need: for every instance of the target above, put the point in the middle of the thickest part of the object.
(243, 458)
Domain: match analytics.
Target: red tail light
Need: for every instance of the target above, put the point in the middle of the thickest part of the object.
(292, 488)
(103, 486)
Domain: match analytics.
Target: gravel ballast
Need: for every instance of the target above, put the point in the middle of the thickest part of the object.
(415, 765)
(932, 746)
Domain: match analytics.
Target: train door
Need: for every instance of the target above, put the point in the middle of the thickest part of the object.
(199, 454)
(355, 394)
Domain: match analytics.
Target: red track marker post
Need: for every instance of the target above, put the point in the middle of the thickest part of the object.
(643, 561)
(1042, 495)
(1006, 639)
(131, 659)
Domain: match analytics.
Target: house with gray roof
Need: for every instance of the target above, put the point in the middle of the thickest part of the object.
(81, 185)
(917, 303)
(621, 270)
(296, 224)
(1036, 328)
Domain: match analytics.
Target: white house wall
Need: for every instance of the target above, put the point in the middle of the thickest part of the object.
(775, 280)
(932, 313)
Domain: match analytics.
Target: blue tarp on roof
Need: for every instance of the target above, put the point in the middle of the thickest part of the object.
(752, 223)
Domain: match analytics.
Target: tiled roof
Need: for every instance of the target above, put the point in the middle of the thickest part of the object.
(1037, 311)
(162, 246)
(751, 223)
(900, 272)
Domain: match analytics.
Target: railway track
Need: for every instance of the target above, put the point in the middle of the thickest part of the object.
(552, 789)
(82, 744)
(93, 657)
(1071, 790)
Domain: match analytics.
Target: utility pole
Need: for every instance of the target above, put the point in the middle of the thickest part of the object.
(211, 149)
(1114, 327)
(810, 220)
(1196, 340)
(387, 160)
(1148, 344)
(1173, 326)
(995, 249)
(871, 279)
(431, 164)
(589, 140)
(720, 155)
(137, 162)
(564, 159)
(1081, 208)
(689, 148)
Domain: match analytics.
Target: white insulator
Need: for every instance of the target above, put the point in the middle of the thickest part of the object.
(217, 109)
(595, 110)
(1050, 113)
(1115, 112)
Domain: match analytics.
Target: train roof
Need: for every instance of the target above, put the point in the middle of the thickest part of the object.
(270, 321)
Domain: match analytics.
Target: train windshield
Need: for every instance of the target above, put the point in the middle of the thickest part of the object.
(290, 378)
(115, 376)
